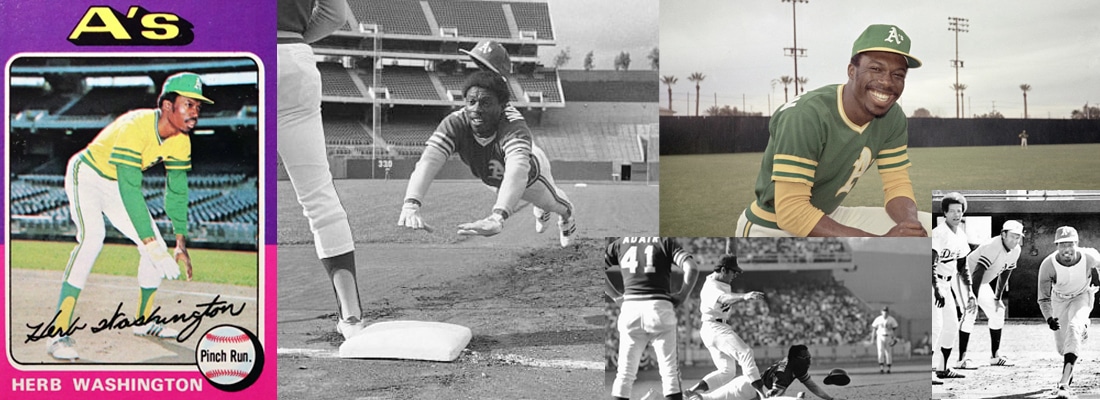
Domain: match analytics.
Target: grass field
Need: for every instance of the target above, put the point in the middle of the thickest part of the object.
(702, 195)
(212, 266)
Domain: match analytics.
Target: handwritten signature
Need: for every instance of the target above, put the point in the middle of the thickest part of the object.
(120, 320)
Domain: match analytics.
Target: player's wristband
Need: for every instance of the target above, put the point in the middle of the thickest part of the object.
(413, 201)
(502, 212)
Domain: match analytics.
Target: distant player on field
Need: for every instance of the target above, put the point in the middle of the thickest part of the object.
(990, 265)
(648, 313)
(1067, 290)
(105, 179)
(950, 245)
(727, 350)
(777, 379)
(492, 138)
(883, 327)
(824, 140)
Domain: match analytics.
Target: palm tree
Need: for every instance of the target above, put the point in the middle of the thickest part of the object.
(785, 80)
(802, 84)
(696, 77)
(1025, 87)
(959, 88)
(714, 111)
(669, 80)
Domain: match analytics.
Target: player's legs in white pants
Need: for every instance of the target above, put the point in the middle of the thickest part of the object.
(874, 220)
(546, 196)
(727, 350)
(945, 325)
(740, 388)
(642, 322)
(1073, 315)
(996, 317)
(883, 344)
(301, 144)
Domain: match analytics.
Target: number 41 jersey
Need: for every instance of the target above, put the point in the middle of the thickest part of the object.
(646, 265)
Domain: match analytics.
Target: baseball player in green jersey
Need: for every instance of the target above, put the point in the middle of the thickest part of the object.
(105, 178)
(823, 141)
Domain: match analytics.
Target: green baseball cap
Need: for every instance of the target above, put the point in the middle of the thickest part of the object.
(187, 84)
(888, 38)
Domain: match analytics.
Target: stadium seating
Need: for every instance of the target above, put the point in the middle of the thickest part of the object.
(392, 16)
(407, 83)
(533, 17)
(102, 101)
(335, 81)
(472, 18)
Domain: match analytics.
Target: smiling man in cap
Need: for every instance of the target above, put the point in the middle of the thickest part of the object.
(1066, 293)
(990, 265)
(823, 141)
(104, 179)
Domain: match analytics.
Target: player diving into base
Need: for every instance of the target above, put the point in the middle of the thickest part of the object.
(990, 265)
(493, 139)
(777, 379)
(648, 308)
(105, 178)
(727, 350)
(1067, 290)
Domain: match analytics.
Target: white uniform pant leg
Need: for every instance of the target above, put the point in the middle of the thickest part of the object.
(749, 229)
(883, 346)
(740, 388)
(544, 194)
(726, 350)
(640, 323)
(301, 144)
(948, 317)
(874, 220)
(1073, 315)
(989, 307)
(83, 187)
(968, 317)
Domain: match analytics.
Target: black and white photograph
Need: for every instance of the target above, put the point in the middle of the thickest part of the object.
(448, 173)
(1015, 278)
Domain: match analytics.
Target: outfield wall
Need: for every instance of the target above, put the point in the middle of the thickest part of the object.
(707, 135)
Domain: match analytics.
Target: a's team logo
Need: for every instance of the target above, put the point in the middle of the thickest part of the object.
(895, 37)
(230, 357)
(496, 169)
(105, 26)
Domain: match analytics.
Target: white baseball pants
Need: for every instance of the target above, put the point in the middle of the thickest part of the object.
(1073, 316)
(989, 307)
(870, 219)
(641, 323)
(727, 350)
(302, 148)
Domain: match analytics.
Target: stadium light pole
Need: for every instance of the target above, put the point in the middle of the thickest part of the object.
(795, 52)
(957, 25)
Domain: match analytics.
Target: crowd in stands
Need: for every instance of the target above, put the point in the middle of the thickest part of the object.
(772, 250)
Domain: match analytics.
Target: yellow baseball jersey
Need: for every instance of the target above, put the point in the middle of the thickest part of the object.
(133, 140)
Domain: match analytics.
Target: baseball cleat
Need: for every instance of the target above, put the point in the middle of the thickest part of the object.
(966, 364)
(936, 381)
(691, 395)
(541, 218)
(999, 361)
(567, 227)
(156, 330)
(800, 395)
(949, 374)
(61, 348)
(1061, 392)
(349, 327)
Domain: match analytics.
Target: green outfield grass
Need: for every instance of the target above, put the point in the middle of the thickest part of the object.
(702, 195)
(213, 266)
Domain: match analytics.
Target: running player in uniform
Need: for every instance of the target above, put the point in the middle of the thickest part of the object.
(950, 281)
(727, 350)
(492, 138)
(105, 179)
(777, 379)
(302, 147)
(883, 327)
(648, 312)
(1067, 290)
(823, 141)
(989, 266)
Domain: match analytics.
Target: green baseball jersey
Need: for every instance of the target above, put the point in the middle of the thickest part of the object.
(813, 142)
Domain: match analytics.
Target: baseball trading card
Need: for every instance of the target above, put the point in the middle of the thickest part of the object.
(136, 242)
(1016, 276)
(752, 318)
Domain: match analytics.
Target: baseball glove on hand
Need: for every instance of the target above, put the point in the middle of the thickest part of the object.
(162, 261)
(489, 226)
(410, 217)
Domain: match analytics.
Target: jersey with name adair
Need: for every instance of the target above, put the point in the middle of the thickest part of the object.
(485, 157)
(646, 265)
(811, 141)
(133, 140)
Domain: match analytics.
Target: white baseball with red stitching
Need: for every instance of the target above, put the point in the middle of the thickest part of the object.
(226, 355)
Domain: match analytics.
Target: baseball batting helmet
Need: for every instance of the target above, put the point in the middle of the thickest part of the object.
(728, 262)
(837, 377)
(491, 56)
(955, 197)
